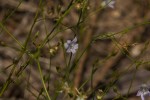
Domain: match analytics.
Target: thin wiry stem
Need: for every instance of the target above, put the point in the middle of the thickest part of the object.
(4, 28)
(41, 75)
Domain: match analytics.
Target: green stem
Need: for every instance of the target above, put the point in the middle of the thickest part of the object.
(35, 19)
(41, 75)
(57, 24)
(67, 74)
(4, 28)
(4, 88)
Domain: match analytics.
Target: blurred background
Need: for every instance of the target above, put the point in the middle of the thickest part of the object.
(121, 61)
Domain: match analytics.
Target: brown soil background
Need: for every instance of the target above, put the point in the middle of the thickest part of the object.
(125, 14)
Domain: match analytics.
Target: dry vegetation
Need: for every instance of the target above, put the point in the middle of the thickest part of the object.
(120, 60)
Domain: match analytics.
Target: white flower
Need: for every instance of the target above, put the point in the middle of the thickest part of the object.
(143, 91)
(71, 46)
(109, 3)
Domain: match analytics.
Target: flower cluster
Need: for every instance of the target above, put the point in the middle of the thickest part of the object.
(71, 46)
(143, 91)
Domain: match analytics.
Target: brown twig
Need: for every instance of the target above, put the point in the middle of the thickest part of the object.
(86, 42)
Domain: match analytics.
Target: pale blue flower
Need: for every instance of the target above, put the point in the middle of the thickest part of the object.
(71, 46)
(109, 3)
(143, 91)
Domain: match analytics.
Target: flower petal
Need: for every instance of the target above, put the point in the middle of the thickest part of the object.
(142, 97)
(66, 45)
(111, 6)
(74, 40)
(76, 46)
(68, 41)
(73, 51)
(69, 50)
(139, 93)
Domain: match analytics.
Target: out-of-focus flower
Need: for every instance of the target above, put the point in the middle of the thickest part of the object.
(99, 94)
(71, 46)
(109, 3)
(80, 98)
(143, 91)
